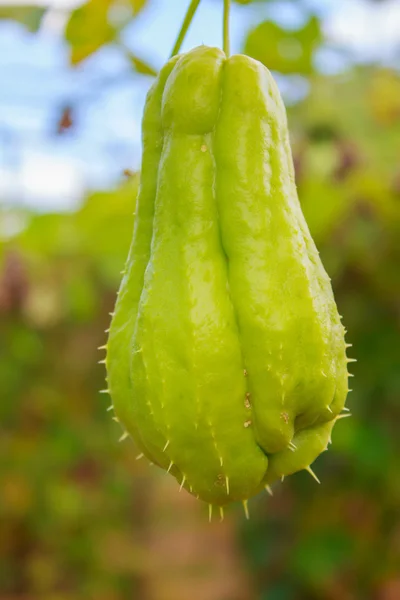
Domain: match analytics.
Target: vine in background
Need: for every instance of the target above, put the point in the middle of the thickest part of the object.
(193, 6)
(226, 41)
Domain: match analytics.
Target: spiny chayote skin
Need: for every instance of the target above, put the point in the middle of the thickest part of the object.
(226, 356)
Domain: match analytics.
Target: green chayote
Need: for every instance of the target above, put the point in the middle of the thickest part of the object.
(226, 356)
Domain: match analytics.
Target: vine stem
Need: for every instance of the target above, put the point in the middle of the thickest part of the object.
(193, 6)
(226, 42)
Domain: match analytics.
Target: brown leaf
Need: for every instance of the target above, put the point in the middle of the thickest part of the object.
(66, 120)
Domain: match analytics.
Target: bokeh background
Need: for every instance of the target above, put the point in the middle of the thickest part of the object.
(80, 517)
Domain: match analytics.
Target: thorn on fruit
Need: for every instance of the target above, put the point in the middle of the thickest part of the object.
(183, 483)
(110, 408)
(343, 416)
(221, 512)
(269, 490)
(209, 513)
(170, 466)
(123, 436)
(166, 446)
(139, 456)
(309, 470)
(227, 484)
(104, 347)
(104, 391)
(246, 509)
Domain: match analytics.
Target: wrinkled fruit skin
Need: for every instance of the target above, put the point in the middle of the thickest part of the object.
(226, 355)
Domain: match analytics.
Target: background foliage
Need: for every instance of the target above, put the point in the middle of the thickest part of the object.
(80, 516)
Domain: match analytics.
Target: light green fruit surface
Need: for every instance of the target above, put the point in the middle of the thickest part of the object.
(226, 356)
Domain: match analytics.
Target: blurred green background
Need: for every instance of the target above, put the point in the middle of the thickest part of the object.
(80, 517)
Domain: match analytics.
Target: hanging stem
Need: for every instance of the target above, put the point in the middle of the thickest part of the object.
(185, 26)
(226, 43)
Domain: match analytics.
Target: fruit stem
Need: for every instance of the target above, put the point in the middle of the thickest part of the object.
(226, 43)
(185, 26)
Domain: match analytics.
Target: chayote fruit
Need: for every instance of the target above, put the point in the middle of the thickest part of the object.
(226, 356)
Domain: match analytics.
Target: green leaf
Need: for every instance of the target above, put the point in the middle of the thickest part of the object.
(29, 16)
(285, 51)
(97, 23)
(88, 29)
(137, 5)
(141, 66)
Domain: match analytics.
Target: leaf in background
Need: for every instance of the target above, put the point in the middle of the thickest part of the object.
(384, 97)
(137, 5)
(285, 51)
(29, 16)
(354, 113)
(97, 23)
(140, 65)
(66, 120)
(88, 29)
(121, 12)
